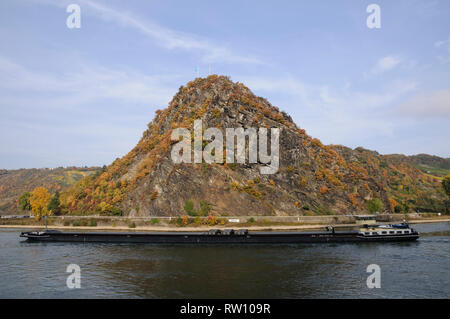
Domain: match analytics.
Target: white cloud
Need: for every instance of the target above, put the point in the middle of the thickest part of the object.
(163, 36)
(385, 64)
(337, 115)
(75, 88)
(326, 97)
(443, 45)
(89, 114)
(428, 105)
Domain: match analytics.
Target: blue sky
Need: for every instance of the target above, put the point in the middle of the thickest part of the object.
(84, 96)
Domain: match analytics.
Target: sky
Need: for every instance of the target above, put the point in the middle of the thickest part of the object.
(83, 96)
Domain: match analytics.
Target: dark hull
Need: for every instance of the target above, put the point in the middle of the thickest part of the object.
(205, 238)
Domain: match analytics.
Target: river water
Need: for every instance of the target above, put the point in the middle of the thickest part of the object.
(408, 270)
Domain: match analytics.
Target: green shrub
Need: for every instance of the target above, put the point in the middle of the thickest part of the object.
(83, 222)
(132, 225)
(216, 112)
(93, 223)
(323, 211)
(374, 205)
(116, 211)
(189, 208)
(205, 208)
(155, 221)
(112, 211)
(251, 220)
(76, 223)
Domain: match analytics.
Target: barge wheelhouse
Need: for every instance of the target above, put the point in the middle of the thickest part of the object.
(386, 232)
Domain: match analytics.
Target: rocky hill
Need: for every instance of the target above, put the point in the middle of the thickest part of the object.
(312, 178)
(15, 182)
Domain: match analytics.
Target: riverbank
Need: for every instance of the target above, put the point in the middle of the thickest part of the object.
(268, 227)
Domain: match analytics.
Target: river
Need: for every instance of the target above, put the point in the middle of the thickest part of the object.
(408, 270)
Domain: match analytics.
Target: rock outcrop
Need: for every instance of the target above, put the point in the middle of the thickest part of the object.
(312, 178)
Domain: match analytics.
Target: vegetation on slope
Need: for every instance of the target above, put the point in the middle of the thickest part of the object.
(312, 179)
(15, 182)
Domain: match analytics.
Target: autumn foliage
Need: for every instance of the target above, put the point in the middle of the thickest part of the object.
(358, 179)
(392, 204)
(323, 189)
(39, 200)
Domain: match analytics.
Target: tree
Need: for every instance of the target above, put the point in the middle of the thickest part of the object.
(374, 205)
(39, 200)
(24, 201)
(446, 187)
(392, 203)
(446, 184)
(54, 205)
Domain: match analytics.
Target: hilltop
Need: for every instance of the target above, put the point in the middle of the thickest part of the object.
(312, 178)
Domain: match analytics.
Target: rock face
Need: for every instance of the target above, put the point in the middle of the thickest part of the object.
(312, 178)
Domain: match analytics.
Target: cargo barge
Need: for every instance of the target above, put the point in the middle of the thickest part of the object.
(367, 233)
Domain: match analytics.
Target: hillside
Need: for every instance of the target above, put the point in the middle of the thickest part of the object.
(429, 164)
(312, 178)
(15, 182)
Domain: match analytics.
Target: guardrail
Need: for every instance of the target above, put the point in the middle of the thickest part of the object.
(15, 216)
(240, 219)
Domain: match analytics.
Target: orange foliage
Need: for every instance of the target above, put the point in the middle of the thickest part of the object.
(323, 189)
(354, 199)
(316, 142)
(319, 175)
(392, 204)
(303, 182)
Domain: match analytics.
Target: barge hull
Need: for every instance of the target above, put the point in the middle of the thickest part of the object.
(205, 238)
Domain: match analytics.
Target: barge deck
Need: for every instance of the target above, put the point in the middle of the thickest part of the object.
(241, 236)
